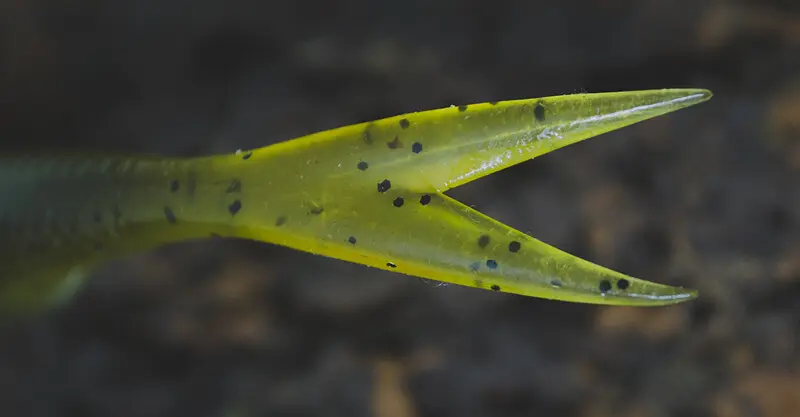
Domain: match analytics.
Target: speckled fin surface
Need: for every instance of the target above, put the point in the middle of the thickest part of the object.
(373, 193)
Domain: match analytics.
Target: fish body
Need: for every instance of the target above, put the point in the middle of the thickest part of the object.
(371, 193)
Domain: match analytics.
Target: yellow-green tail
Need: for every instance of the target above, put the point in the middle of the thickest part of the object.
(370, 193)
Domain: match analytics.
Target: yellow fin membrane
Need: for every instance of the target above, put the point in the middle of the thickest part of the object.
(370, 193)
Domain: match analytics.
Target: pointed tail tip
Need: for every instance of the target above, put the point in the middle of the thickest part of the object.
(636, 106)
(685, 294)
(707, 94)
(699, 95)
(677, 295)
(685, 97)
(649, 294)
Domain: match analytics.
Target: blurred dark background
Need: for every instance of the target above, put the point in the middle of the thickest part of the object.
(707, 197)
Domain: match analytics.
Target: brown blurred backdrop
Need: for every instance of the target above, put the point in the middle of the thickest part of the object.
(708, 197)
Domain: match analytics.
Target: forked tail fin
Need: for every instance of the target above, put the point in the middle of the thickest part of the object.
(373, 193)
